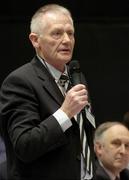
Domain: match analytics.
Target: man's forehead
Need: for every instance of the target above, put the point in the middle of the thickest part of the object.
(117, 130)
(118, 127)
(55, 15)
(124, 139)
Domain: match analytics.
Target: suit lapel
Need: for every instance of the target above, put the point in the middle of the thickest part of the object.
(47, 80)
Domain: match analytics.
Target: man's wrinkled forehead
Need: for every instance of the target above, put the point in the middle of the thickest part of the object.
(54, 16)
(116, 131)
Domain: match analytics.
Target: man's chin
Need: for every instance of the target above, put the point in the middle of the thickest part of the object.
(120, 165)
(66, 59)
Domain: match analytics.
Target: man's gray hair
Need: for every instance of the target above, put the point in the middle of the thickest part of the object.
(37, 22)
(98, 135)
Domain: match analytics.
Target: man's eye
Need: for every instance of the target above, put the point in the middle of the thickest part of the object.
(71, 34)
(116, 143)
(57, 34)
(127, 146)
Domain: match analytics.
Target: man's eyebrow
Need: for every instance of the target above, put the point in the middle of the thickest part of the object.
(118, 139)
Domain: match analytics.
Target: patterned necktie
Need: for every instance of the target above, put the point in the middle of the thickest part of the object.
(80, 119)
(86, 115)
(62, 81)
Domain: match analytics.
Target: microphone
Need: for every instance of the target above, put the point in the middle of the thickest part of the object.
(75, 72)
(75, 75)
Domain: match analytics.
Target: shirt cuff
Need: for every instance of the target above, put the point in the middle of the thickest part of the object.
(62, 119)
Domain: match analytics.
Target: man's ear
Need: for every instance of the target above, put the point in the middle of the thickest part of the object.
(34, 39)
(98, 148)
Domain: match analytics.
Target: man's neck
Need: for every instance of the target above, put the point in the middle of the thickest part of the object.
(109, 172)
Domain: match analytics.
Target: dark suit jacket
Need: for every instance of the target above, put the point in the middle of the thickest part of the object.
(37, 148)
(101, 174)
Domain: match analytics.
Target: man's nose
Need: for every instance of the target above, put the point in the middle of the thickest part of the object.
(122, 148)
(66, 37)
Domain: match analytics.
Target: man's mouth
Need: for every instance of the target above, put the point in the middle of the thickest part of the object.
(64, 51)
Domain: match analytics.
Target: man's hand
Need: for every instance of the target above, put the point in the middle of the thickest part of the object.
(76, 99)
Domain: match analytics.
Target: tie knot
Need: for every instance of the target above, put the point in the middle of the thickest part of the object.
(63, 79)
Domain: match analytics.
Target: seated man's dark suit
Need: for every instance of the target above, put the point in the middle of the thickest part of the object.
(101, 174)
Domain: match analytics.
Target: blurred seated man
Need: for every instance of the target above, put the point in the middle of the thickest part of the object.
(111, 144)
(126, 122)
(3, 173)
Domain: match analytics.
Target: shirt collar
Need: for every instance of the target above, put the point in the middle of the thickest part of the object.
(53, 71)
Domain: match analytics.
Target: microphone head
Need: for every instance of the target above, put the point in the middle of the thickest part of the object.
(74, 66)
(75, 72)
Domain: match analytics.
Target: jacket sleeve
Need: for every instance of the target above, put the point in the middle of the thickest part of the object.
(30, 135)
